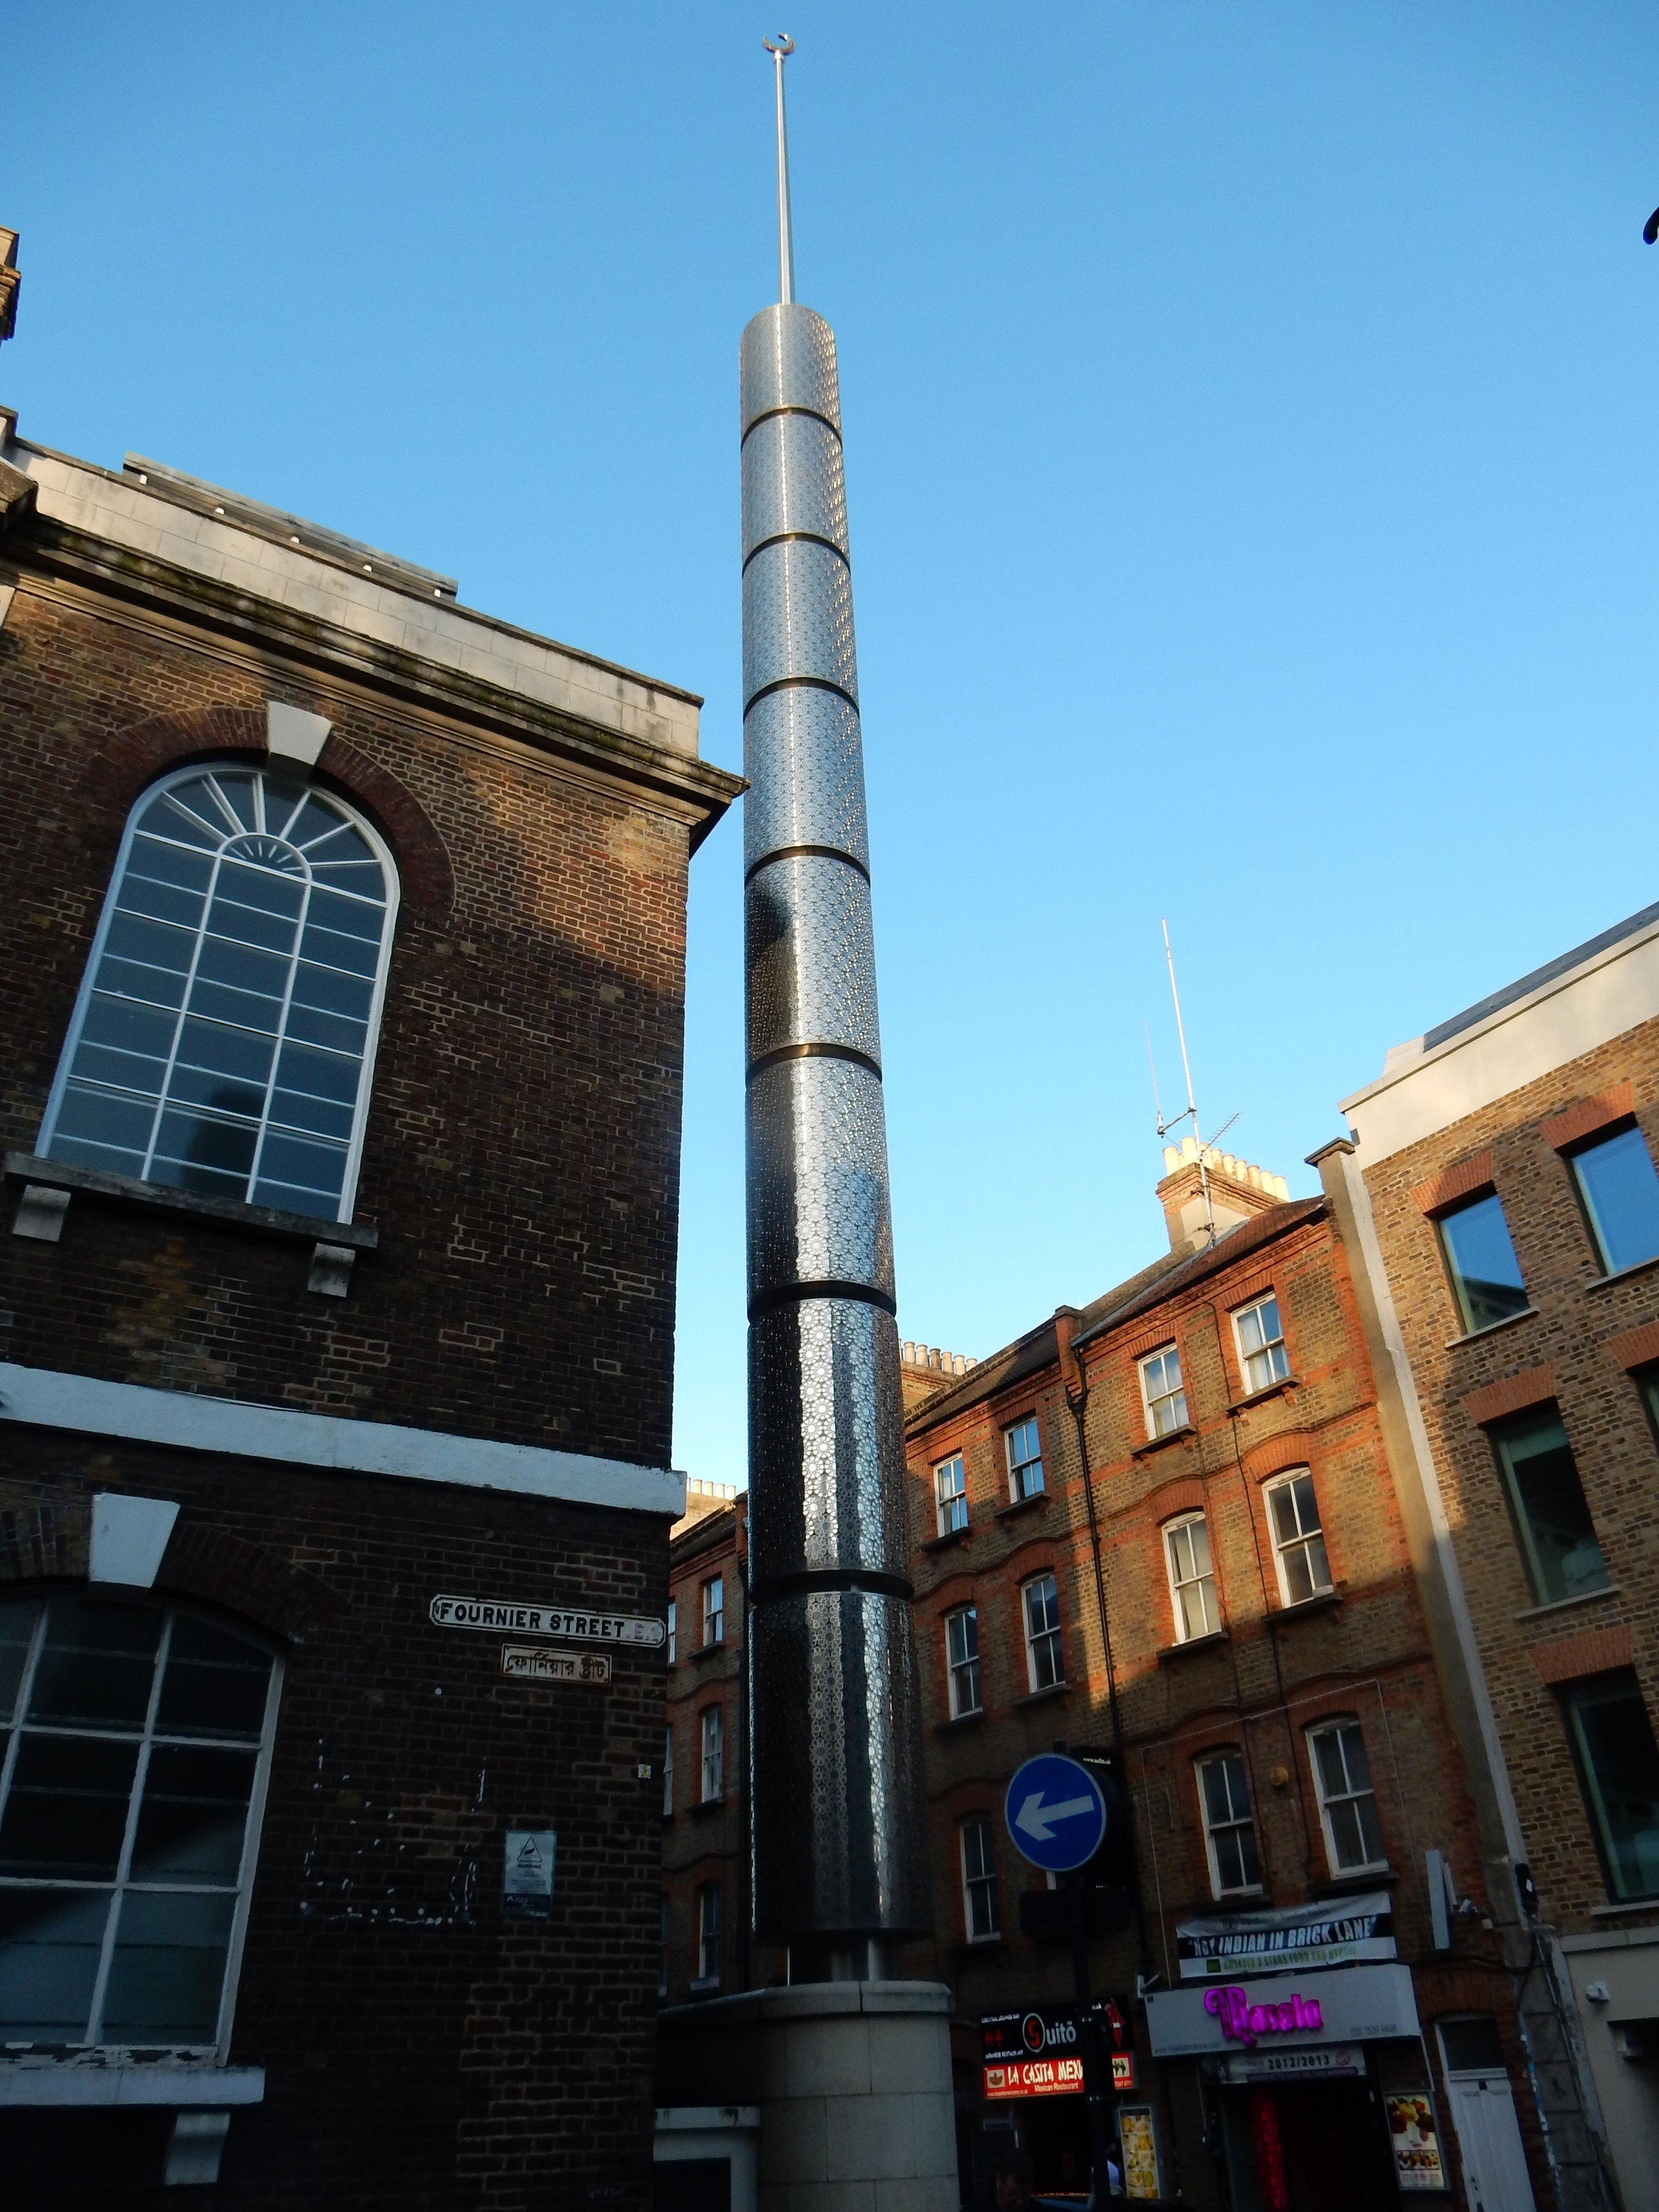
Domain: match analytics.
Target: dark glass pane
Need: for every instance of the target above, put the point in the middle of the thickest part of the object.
(1558, 1536)
(107, 1159)
(127, 1028)
(215, 1684)
(195, 1141)
(1472, 2045)
(1219, 1792)
(309, 1025)
(103, 1118)
(97, 1665)
(154, 987)
(217, 1002)
(1483, 1263)
(325, 837)
(363, 876)
(348, 917)
(193, 1816)
(244, 968)
(262, 888)
(168, 864)
(249, 925)
(142, 895)
(168, 1969)
(197, 1086)
(226, 1051)
(1621, 1762)
(17, 1620)
(66, 1813)
(334, 950)
(50, 1944)
(121, 1070)
(282, 802)
(319, 1074)
(290, 1160)
(1621, 1197)
(238, 792)
(334, 994)
(178, 814)
(291, 1110)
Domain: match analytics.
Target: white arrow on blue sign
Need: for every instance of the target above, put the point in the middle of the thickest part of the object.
(1055, 1813)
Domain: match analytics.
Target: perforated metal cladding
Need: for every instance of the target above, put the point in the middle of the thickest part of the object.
(792, 480)
(836, 1762)
(818, 1177)
(824, 1430)
(804, 757)
(787, 359)
(797, 617)
(809, 957)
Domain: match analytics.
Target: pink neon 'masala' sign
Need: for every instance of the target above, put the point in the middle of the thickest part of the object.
(1241, 2021)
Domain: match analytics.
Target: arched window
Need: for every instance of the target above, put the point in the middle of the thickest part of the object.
(224, 1037)
(134, 1743)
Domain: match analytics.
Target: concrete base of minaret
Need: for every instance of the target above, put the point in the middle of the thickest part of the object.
(852, 2082)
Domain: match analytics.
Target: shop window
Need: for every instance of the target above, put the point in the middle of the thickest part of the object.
(979, 1882)
(1304, 1570)
(224, 1036)
(1485, 1275)
(1262, 1357)
(1163, 1393)
(1347, 1803)
(673, 1625)
(1228, 1831)
(1040, 1601)
(962, 1661)
(714, 1754)
(950, 1495)
(710, 1926)
(1619, 1770)
(1025, 1460)
(713, 1611)
(668, 1774)
(134, 1745)
(1547, 1503)
(1619, 1194)
(1192, 1577)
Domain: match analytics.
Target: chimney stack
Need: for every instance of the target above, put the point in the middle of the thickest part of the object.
(1238, 1192)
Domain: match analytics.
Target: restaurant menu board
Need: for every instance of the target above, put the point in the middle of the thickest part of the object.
(1139, 2143)
(1411, 2136)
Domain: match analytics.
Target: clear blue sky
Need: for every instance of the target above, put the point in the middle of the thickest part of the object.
(1254, 469)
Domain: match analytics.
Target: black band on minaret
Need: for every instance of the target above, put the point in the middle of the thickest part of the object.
(794, 1294)
(805, 853)
(763, 1060)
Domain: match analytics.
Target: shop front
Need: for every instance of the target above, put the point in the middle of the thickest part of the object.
(1032, 2091)
(1313, 2079)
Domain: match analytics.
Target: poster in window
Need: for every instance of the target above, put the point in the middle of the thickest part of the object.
(1415, 2144)
(1139, 2143)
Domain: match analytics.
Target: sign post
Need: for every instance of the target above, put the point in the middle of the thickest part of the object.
(1056, 1816)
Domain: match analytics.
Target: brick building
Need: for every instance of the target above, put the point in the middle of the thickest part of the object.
(1501, 1180)
(341, 994)
(1222, 1601)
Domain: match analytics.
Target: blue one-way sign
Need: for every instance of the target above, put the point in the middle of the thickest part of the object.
(1055, 1813)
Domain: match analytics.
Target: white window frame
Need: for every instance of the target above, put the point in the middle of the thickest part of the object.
(956, 1667)
(1153, 1402)
(255, 1811)
(1022, 1481)
(1210, 1606)
(668, 1773)
(1341, 1727)
(711, 1929)
(382, 853)
(713, 1611)
(1226, 1754)
(1049, 1635)
(1309, 1542)
(711, 1729)
(984, 1881)
(951, 1506)
(1273, 1349)
(673, 1623)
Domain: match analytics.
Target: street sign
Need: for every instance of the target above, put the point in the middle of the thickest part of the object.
(1055, 1813)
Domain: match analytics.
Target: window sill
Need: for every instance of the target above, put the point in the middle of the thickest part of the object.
(959, 1721)
(1213, 1642)
(1016, 1506)
(706, 1985)
(706, 1805)
(1321, 1601)
(1477, 1335)
(263, 1220)
(1256, 1894)
(1622, 1275)
(1041, 1697)
(1261, 1397)
(943, 1543)
(1566, 1604)
(1348, 1885)
(706, 1651)
(975, 1945)
(94, 2080)
(1626, 1906)
(1161, 1444)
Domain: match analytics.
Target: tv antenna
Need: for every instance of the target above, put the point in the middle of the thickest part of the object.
(1190, 1111)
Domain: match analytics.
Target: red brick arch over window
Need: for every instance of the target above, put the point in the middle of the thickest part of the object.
(134, 760)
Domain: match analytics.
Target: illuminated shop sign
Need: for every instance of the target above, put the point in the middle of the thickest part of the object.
(1345, 2004)
(1038, 2051)
(1242, 2022)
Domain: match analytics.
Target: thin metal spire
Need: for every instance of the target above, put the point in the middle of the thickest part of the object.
(781, 52)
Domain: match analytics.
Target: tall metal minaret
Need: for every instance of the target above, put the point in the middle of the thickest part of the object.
(840, 1863)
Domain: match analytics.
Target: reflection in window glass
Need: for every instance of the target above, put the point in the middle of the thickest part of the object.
(979, 1881)
(130, 1745)
(1228, 1830)
(1025, 1460)
(1161, 1388)
(1304, 1571)
(1192, 1579)
(709, 1925)
(1262, 1347)
(1621, 1195)
(1347, 1803)
(1484, 1273)
(950, 1495)
(1041, 1601)
(1551, 1518)
(961, 1660)
(225, 1022)
(1618, 1768)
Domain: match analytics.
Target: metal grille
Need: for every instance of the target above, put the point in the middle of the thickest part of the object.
(798, 618)
(792, 480)
(804, 757)
(787, 359)
(818, 1177)
(810, 960)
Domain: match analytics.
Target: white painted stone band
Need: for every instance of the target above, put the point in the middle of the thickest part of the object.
(41, 1398)
(22, 2083)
